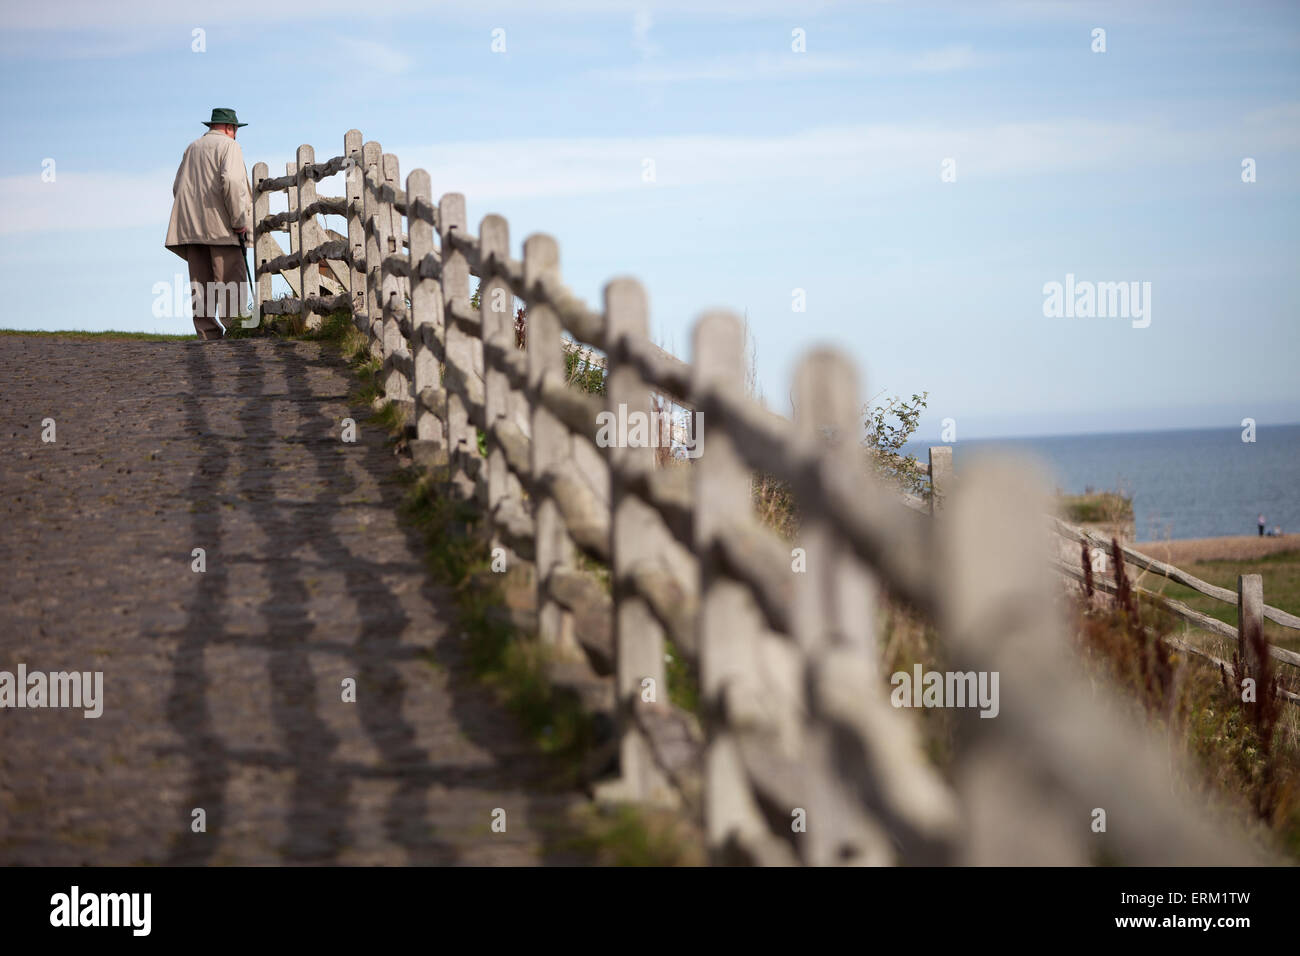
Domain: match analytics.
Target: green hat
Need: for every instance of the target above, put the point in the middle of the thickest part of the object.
(222, 116)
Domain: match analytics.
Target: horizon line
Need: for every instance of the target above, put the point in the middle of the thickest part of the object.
(1102, 434)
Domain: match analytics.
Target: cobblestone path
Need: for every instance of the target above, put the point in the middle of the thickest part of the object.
(222, 689)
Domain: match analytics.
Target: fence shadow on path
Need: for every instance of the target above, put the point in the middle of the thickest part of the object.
(320, 818)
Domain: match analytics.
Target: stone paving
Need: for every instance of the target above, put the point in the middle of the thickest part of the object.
(223, 688)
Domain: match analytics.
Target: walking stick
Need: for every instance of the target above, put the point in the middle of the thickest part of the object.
(252, 320)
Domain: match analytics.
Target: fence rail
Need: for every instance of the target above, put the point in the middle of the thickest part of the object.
(1248, 598)
(800, 756)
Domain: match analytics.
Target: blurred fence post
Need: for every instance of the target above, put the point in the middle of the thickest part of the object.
(940, 476)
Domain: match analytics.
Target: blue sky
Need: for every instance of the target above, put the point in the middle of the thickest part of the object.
(774, 171)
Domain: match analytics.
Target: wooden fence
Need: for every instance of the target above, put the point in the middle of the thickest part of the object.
(800, 757)
(1248, 598)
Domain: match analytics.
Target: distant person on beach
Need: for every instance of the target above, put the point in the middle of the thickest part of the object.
(1261, 526)
(211, 212)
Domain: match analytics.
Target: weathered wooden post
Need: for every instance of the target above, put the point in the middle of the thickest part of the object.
(551, 446)
(383, 225)
(370, 210)
(293, 275)
(635, 537)
(261, 209)
(998, 616)
(430, 447)
(396, 386)
(1031, 777)
(940, 476)
(833, 619)
(496, 310)
(833, 613)
(353, 184)
(728, 622)
(1250, 625)
(835, 597)
(462, 436)
(309, 272)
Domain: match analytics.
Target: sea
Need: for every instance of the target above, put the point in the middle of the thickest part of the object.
(1195, 483)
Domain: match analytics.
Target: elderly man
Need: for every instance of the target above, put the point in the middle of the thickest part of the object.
(212, 210)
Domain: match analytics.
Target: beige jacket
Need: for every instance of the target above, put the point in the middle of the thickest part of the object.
(212, 193)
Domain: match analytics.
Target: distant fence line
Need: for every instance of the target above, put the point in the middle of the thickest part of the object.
(800, 757)
(1248, 598)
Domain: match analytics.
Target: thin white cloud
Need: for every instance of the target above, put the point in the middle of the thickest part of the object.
(82, 44)
(945, 60)
(751, 66)
(880, 157)
(1284, 117)
(375, 55)
(95, 29)
(642, 21)
(97, 14)
(1098, 12)
(78, 200)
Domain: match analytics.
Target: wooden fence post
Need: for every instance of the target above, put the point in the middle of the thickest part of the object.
(261, 209)
(309, 272)
(1250, 625)
(496, 311)
(940, 476)
(371, 176)
(834, 596)
(833, 619)
(383, 225)
(353, 184)
(1029, 779)
(636, 538)
(426, 322)
(551, 445)
(728, 625)
(994, 554)
(396, 386)
(462, 436)
(293, 276)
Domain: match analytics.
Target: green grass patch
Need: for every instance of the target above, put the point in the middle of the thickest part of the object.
(628, 836)
(514, 665)
(585, 377)
(109, 336)
(1244, 755)
(683, 679)
(1281, 574)
(1097, 506)
(272, 326)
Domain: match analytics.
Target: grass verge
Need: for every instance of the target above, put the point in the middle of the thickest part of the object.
(1281, 574)
(80, 335)
(1245, 748)
(1096, 506)
(631, 836)
(458, 555)
(502, 656)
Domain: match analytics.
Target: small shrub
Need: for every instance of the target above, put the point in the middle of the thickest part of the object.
(884, 442)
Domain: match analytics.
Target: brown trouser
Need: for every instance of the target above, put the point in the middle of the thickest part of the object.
(217, 283)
